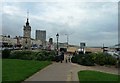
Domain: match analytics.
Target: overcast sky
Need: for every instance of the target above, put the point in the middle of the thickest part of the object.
(94, 22)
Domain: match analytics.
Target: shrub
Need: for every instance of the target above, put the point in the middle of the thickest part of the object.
(103, 59)
(100, 59)
(75, 58)
(30, 55)
(40, 56)
(25, 55)
(110, 60)
(92, 58)
(83, 59)
(51, 56)
(119, 63)
(87, 60)
(6, 53)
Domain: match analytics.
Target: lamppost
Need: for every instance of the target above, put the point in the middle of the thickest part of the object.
(57, 35)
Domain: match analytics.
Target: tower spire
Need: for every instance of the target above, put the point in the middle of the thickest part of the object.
(27, 23)
(27, 13)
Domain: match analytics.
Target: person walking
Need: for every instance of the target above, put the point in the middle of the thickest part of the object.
(70, 57)
(66, 58)
(60, 57)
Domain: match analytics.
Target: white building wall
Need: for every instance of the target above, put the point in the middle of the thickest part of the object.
(38, 42)
(13, 41)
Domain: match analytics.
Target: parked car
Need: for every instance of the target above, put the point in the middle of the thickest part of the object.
(34, 47)
(3, 48)
(114, 53)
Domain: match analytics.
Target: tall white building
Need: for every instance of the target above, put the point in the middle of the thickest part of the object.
(41, 35)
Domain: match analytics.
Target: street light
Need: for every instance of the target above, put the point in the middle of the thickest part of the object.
(57, 35)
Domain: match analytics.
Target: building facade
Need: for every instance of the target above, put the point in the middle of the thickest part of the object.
(41, 35)
(50, 45)
(27, 36)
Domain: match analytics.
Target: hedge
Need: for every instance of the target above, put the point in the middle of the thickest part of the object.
(6, 53)
(83, 59)
(103, 59)
(30, 55)
(94, 58)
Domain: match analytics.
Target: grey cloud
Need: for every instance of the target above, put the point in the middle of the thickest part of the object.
(11, 26)
(100, 29)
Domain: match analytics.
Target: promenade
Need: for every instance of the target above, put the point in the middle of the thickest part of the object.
(66, 72)
(56, 72)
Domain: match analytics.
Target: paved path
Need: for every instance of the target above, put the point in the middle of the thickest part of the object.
(66, 72)
(56, 72)
(109, 69)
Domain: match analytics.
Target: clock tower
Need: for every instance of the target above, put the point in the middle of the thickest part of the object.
(27, 35)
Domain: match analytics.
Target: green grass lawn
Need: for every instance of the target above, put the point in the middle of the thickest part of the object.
(88, 76)
(19, 70)
(0, 70)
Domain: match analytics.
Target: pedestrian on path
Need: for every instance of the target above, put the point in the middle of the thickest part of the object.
(66, 58)
(70, 57)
